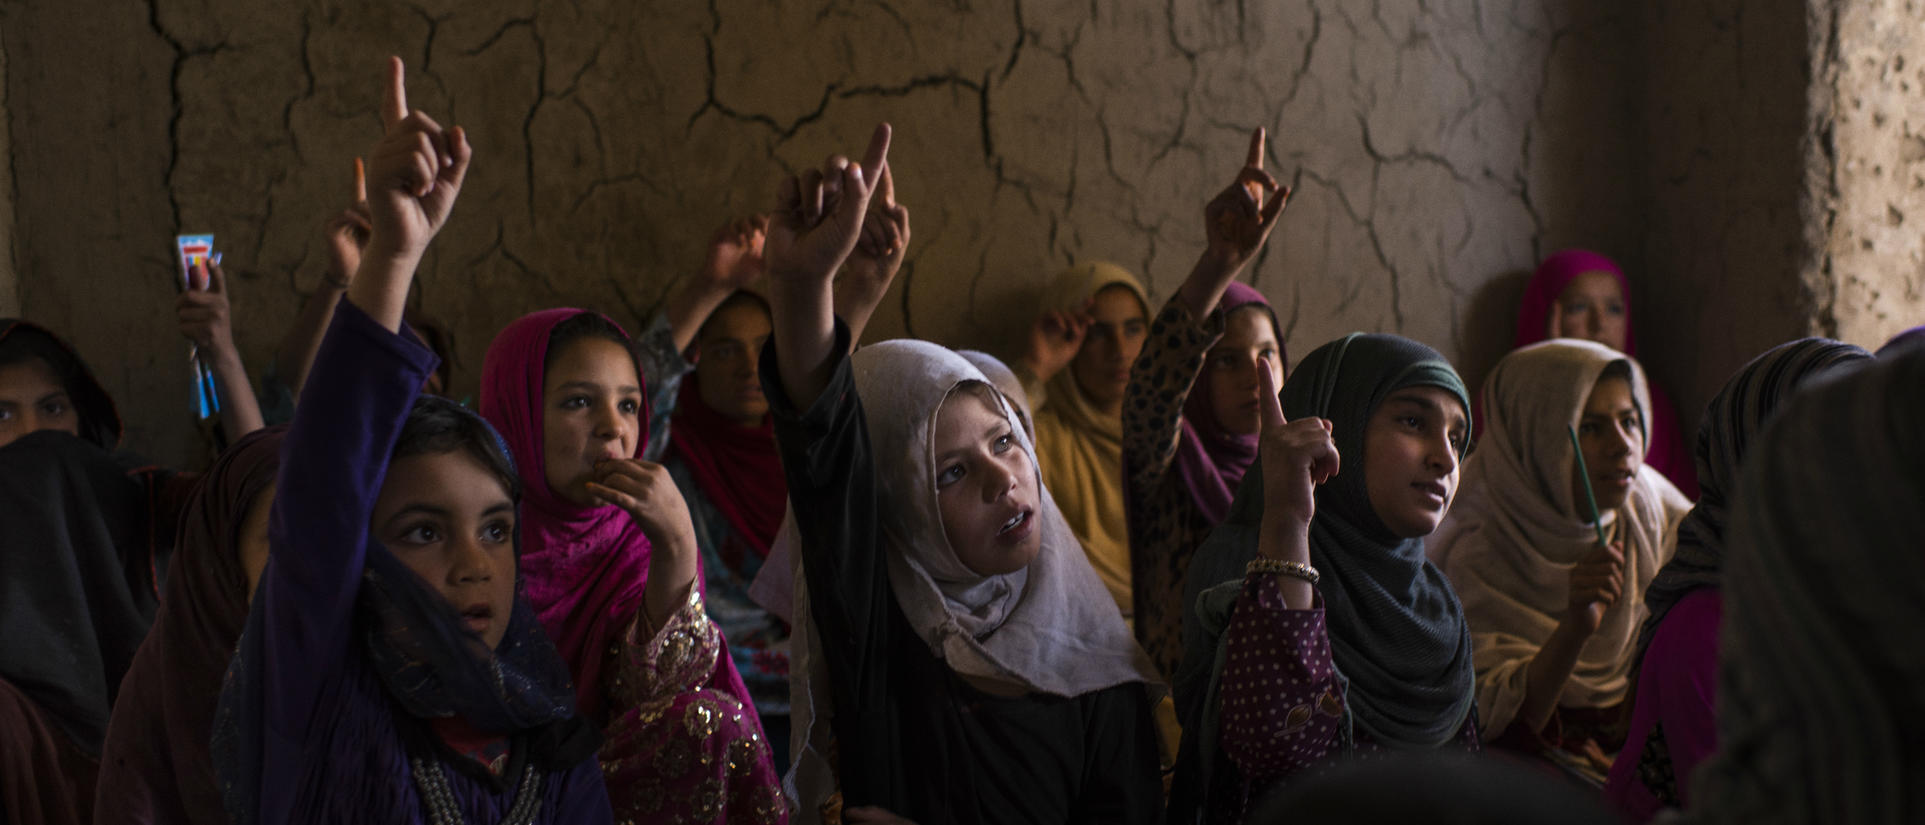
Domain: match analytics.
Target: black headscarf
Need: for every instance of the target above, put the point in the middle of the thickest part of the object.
(99, 420)
(1397, 634)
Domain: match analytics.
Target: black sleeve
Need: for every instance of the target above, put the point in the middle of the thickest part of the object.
(1122, 780)
(830, 469)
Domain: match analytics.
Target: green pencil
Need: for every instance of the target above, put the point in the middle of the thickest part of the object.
(1590, 498)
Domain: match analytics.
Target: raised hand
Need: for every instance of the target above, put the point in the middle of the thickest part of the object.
(1054, 340)
(1239, 219)
(348, 231)
(204, 313)
(1597, 582)
(1298, 457)
(735, 253)
(648, 493)
(878, 255)
(819, 216)
(414, 173)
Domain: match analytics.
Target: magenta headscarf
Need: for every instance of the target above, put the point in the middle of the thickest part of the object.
(1666, 451)
(1209, 460)
(582, 568)
(1552, 276)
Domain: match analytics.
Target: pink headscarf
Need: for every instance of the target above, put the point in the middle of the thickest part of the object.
(582, 568)
(1552, 276)
(1210, 460)
(1666, 451)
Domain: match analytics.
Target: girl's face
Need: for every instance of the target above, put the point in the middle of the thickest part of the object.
(1411, 446)
(1592, 308)
(985, 486)
(591, 412)
(1232, 368)
(1117, 329)
(451, 522)
(730, 348)
(253, 545)
(1611, 432)
(33, 399)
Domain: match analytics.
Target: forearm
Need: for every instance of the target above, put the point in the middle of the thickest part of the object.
(671, 573)
(855, 306)
(1204, 288)
(380, 287)
(689, 307)
(1545, 677)
(804, 337)
(240, 411)
(303, 340)
(1287, 540)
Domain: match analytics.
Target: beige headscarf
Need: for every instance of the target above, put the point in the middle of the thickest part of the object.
(1049, 628)
(1081, 449)
(1515, 530)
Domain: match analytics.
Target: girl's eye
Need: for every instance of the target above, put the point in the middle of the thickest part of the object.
(574, 402)
(630, 406)
(1458, 441)
(421, 534)
(1003, 443)
(1615, 309)
(1587, 428)
(6, 414)
(498, 532)
(55, 409)
(949, 475)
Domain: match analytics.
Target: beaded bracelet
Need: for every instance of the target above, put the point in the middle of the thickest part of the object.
(1293, 569)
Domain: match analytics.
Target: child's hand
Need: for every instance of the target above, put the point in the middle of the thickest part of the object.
(203, 311)
(1239, 220)
(735, 254)
(1054, 340)
(1597, 582)
(819, 216)
(414, 174)
(347, 233)
(1298, 457)
(648, 493)
(883, 244)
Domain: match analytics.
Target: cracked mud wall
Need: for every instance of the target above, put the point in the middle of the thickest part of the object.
(1439, 151)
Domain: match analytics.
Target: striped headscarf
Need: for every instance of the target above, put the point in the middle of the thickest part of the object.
(1820, 716)
(1732, 420)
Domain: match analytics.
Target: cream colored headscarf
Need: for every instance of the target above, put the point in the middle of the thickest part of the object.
(1081, 449)
(1049, 628)
(1515, 530)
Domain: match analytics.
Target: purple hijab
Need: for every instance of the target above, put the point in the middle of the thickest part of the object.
(583, 568)
(1210, 460)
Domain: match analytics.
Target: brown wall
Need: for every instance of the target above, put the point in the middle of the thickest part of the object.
(1441, 149)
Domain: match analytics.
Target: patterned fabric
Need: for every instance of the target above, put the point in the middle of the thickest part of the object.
(1735, 416)
(1283, 702)
(1166, 527)
(1820, 715)
(685, 752)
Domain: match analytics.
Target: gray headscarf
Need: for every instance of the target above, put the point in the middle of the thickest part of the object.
(1820, 715)
(1732, 420)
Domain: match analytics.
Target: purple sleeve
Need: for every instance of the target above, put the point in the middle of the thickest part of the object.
(1281, 702)
(1684, 651)
(358, 393)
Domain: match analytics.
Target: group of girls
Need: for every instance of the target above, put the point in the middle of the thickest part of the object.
(739, 569)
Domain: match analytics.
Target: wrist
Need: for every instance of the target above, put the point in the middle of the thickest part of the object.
(381, 251)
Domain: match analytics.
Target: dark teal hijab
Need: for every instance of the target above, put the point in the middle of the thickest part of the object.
(1397, 633)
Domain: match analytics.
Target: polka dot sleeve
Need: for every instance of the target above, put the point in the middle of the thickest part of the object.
(1281, 702)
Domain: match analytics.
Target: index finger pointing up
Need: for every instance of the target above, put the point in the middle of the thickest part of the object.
(1255, 158)
(878, 153)
(1271, 404)
(394, 101)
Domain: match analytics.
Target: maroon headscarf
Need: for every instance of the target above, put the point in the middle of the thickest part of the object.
(582, 568)
(155, 766)
(738, 468)
(1667, 452)
(1210, 460)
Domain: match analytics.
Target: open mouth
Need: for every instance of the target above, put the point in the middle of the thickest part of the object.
(1018, 527)
(1434, 490)
(477, 617)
